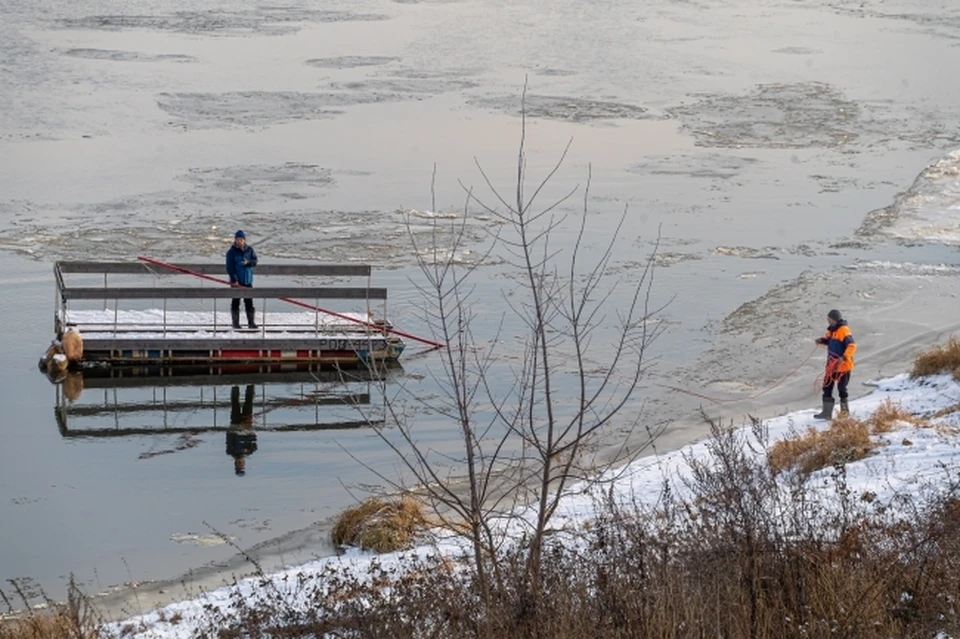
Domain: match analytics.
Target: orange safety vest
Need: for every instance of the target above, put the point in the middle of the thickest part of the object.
(840, 347)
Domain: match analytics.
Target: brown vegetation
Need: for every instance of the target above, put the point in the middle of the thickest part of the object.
(949, 410)
(380, 525)
(74, 619)
(44, 625)
(846, 440)
(939, 360)
(889, 415)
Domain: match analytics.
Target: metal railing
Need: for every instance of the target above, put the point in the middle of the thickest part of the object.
(66, 293)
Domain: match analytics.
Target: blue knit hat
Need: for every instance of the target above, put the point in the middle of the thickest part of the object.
(239, 234)
(835, 315)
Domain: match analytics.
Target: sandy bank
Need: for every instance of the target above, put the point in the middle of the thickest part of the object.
(894, 314)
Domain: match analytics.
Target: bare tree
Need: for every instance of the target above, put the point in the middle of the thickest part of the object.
(526, 429)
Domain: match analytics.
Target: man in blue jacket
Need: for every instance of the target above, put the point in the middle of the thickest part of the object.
(241, 258)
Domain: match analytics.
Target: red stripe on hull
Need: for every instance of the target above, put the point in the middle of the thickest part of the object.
(240, 354)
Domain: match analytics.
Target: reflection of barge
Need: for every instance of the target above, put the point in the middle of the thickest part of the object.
(156, 376)
(143, 319)
(135, 401)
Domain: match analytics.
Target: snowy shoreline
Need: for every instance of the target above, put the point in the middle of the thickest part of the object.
(910, 460)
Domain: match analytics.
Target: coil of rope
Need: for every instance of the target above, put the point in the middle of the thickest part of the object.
(831, 373)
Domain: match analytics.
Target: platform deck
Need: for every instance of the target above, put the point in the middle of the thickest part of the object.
(171, 335)
(127, 324)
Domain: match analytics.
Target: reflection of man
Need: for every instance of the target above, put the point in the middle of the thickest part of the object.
(241, 439)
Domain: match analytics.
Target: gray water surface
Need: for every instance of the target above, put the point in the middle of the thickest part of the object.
(752, 137)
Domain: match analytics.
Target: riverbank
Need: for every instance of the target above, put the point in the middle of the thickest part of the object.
(917, 454)
(889, 340)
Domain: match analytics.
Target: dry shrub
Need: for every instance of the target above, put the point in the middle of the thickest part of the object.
(889, 415)
(380, 525)
(847, 440)
(75, 618)
(949, 410)
(938, 360)
(44, 625)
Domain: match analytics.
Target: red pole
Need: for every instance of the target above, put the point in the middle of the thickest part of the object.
(180, 269)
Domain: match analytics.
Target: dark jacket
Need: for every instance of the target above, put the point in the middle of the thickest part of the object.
(238, 271)
(840, 346)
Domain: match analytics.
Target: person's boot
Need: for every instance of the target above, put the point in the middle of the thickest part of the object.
(827, 412)
(844, 407)
(251, 313)
(235, 314)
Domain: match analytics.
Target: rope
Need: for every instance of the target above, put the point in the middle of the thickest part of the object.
(760, 394)
(830, 374)
(311, 307)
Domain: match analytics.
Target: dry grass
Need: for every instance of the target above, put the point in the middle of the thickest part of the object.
(41, 625)
(938, 360)
(58, 623)
(949, 410)
(847, 440)
(75, 618)
(380, 525)
(889, 415)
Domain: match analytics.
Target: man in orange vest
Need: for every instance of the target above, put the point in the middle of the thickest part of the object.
(840, 349)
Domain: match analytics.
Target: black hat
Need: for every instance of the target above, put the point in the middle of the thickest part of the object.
(835, 315)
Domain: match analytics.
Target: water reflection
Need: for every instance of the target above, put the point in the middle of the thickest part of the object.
(241, 438)
(239, 400)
